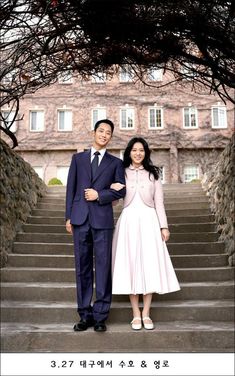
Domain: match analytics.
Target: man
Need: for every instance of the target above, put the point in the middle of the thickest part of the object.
(89, 216)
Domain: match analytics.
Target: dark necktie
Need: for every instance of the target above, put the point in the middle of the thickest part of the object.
(95, 163)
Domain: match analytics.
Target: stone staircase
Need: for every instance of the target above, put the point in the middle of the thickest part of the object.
(38, 307)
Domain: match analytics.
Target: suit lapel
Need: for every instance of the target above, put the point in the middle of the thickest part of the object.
(87, 162)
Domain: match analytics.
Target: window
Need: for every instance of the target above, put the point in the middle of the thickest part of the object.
(162, 173)
(98, 114)
(219, 117)
(65, 78)
(190, 173)
(126, 74)
(36, 121)
(155, 74)
(8, 117)
(64, 120)
(39, 171)
(99, 77)
(62, 174)
(189, 71)
(127, 118)
(190, 117)
(8, 78)
(156, 118)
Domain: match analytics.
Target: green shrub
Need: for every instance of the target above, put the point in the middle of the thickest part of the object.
(55, 181)
(195, 181)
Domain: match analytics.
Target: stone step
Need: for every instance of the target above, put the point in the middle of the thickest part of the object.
(170, 213)
(176, 228)
(67, 261)
(58, 291)
(168, 206)
(167, 199)
(20, 274)
(175, 336)
(67, 248)
(51, 312)
(67, 238)
(171, 220)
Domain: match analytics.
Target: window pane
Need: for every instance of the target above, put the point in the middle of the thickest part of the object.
(155, 74)
(98, 114)
(36, 120)
(190, 173)
(152, 118)
(130, 119)
(61, 120)
(39, 171)
(123, 118)
(9, 116)
(62, 174)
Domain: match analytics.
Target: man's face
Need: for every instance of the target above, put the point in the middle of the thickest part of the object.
(102, 136)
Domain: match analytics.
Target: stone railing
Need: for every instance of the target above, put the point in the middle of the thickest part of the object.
(219, 184)
(20, 188)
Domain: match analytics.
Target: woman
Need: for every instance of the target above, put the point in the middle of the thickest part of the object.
(141, 263)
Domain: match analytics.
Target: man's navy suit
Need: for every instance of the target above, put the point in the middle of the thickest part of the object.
(92, 229)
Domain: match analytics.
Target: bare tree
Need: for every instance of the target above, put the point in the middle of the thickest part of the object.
(43, 38)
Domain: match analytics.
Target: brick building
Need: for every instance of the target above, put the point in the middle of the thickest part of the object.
(185, 130)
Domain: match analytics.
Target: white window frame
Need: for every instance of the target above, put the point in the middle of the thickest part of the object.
(126, 74)
(41, 129)
(67, 128)
(155, 74)
(65, 78)
(190, 108)
(155, 109)
(129, 110)
(224, 120)
(191, 167)
(101, 114)
(99, 78)
(10, 116)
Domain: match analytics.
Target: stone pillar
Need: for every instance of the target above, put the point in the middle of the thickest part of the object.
(174, 164)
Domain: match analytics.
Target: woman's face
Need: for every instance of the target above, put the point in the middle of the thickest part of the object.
(137, 154)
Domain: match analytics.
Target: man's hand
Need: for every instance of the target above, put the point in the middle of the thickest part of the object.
(91, 194)
(117, 186)
(69, 227)
(165, 234)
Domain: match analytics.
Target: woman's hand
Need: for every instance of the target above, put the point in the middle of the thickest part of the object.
(69, 227)
(165, 234)
(117, 186)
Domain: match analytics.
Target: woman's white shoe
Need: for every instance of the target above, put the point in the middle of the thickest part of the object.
(136, 323)
(148, 324)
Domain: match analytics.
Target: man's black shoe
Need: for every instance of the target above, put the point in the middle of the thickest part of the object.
(100, 327)
(83, 325)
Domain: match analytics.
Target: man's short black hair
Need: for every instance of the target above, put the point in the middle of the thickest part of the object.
(106, 121)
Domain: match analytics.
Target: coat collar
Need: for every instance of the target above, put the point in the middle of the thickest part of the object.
(131, 167)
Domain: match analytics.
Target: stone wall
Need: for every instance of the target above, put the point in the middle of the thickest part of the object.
(20, 188)
(219, 184)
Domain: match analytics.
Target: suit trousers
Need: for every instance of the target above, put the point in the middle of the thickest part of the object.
(93, 247)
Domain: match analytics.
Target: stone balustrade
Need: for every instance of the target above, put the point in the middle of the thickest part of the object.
(20, 188)
(219, 184)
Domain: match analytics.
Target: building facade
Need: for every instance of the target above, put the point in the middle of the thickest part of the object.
(186, 131)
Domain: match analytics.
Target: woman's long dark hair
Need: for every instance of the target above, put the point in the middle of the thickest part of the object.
(147, 163)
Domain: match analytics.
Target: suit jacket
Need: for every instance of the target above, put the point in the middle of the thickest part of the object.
(150, 191)
(100, 212)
